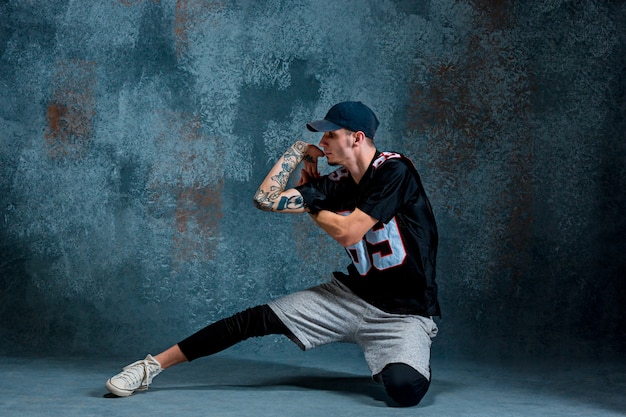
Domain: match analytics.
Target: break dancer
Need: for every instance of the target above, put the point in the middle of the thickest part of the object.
(374, 205)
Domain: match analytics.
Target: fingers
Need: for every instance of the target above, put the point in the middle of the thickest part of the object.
(304, 177)
(314, 151)
(311, 170)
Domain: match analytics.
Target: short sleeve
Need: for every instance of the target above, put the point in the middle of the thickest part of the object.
(392, 185)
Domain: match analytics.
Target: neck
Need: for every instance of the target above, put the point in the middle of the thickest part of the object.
(361, 163)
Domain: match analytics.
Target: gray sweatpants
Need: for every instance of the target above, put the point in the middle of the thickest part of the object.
(332, 313)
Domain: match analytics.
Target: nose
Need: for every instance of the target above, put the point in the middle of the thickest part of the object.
(322, 143)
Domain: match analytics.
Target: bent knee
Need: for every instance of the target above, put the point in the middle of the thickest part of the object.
(405, 385)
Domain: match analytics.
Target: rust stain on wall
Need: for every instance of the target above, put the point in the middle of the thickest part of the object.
(496, 14)
(197, 204)
(198, 212)
(189, 15)
(199, 208)
(135, 2)
(515, 205)
(447, 105)
(474, 112)
(70, 113)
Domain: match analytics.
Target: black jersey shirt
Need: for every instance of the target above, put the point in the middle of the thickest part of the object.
(393, 266)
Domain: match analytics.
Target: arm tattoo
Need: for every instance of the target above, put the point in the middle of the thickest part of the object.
(266, 200)
(262, 202)
(291, 159)
(294, 202)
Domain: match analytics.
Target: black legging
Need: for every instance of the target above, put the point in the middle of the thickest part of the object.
(253, 322)
(404, 384)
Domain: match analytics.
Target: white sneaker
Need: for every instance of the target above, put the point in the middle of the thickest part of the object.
(135, 377)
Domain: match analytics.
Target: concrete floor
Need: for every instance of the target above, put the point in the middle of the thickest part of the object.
(324, 382)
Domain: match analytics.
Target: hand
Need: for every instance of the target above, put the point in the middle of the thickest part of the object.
(304, 178)
(310, 170)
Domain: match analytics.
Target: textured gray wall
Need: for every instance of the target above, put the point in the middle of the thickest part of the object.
(134, 133)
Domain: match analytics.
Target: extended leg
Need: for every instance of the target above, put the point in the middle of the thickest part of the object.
(170, 357)
(253, 322)
(257, 321)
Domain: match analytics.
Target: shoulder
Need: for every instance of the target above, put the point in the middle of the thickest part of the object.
(393, 162)
(384, 157)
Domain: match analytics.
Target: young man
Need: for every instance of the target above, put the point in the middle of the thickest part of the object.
(374, 206)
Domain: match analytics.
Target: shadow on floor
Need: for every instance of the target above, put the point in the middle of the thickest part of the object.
(594, 384)
(227, 373)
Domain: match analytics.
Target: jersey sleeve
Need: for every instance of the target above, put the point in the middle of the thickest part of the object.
(393, 184)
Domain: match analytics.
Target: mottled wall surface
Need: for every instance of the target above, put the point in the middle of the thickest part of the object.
(134, 133)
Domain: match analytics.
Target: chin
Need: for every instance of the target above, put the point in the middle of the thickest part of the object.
(331, 162)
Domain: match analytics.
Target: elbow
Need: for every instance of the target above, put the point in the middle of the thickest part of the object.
(263, 205)
(343, 232)
(347, 240)
(262, 202)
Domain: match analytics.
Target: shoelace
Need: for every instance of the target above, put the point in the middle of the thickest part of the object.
(136, 373)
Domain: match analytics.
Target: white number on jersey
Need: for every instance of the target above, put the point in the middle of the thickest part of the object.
(381, 248)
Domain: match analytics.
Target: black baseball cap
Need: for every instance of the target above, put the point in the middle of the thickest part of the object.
(351, 115)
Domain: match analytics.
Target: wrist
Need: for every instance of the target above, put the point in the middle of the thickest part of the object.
(300, 147)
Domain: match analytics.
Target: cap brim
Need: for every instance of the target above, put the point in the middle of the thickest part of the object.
(322, 126)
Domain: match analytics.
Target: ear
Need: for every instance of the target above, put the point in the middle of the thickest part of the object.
(359, 137)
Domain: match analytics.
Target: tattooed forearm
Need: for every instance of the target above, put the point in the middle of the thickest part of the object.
(261, 201)
(291, 159)
(294, 202)
(268, 196)
(293, 156)
(282, 177)
(300, 147)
